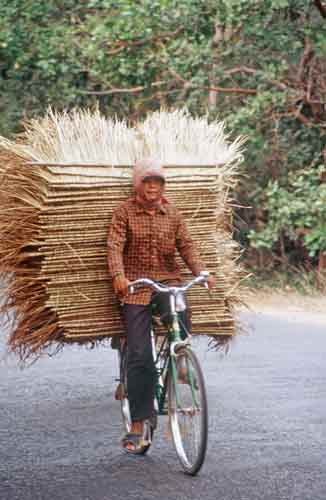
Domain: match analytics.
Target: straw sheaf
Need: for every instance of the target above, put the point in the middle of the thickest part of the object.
(22, 195)
(176, 137)
(55, 216)
(78, 136)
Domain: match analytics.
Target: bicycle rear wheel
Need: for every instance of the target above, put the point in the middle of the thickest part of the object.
(125, 410)
(188, 410)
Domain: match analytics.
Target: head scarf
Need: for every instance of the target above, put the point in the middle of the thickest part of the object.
(147, 167)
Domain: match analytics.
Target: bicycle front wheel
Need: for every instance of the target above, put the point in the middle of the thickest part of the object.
(188, 410)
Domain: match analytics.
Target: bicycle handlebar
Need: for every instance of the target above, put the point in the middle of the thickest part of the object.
(159, 287)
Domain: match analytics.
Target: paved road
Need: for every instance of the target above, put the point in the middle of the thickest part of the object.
(60, 426)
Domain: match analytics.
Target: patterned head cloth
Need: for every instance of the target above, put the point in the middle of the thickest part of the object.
(147, 167)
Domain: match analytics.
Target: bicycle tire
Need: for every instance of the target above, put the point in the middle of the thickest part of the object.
(191, 411)
(124, 402)
(125, 408)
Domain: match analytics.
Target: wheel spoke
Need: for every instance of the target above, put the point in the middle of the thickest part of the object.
(188, 411)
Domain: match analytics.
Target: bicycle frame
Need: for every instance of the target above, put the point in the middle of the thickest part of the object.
(172, 342)
(175, 364)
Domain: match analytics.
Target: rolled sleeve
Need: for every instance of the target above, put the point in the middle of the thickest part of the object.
(116, 242)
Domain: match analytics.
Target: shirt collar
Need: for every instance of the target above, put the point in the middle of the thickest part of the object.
(140, 209)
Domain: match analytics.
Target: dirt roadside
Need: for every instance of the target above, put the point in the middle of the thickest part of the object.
(293, 306)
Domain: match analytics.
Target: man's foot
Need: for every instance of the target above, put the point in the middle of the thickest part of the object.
(133, 441)
(137, 427)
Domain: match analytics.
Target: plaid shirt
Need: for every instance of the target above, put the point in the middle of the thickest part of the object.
(141, 245)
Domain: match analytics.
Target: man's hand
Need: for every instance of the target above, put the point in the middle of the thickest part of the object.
(120, 286)
(210, 280)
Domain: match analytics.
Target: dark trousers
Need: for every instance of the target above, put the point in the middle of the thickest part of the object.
(141, 372)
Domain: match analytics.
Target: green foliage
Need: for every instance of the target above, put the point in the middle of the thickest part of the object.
(59, 52)
(295, 211)
(266, 58)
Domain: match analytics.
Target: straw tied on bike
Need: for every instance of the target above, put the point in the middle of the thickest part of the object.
(144, 235)
(98, 241)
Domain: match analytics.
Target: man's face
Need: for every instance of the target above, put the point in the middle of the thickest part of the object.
(153, 188)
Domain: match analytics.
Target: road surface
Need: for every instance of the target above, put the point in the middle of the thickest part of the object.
(60, 426)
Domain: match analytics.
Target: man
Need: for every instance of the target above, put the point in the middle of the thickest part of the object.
(145, 232)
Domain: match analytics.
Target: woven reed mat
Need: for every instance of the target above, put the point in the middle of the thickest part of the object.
(54, 220)
(55, 251)
(73, 226)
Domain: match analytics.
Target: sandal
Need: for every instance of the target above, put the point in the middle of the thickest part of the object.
(136, 440)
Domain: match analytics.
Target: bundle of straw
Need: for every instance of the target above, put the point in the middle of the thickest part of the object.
(55, 214)
(80, 136)
(176, 138)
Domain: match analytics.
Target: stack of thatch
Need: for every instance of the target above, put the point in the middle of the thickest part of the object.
(60, 183)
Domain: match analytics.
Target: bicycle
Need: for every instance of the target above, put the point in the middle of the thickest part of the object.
(180, 389)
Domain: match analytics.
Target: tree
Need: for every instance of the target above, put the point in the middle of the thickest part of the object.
(258, 64)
